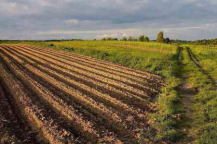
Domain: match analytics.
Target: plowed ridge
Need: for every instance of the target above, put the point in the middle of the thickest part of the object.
(70, 98)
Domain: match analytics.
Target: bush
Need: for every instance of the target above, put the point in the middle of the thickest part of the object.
(124, 38)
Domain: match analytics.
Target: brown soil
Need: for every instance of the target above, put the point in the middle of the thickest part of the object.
(70, 98)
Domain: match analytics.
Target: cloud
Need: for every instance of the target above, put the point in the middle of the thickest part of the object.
(89, 19)
(72, 21)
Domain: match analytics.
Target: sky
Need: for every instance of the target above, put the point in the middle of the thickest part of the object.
(95, 19)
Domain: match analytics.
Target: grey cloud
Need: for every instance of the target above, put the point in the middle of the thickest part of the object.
(89, 19)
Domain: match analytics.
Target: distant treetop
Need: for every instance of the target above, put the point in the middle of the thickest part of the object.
(160, 37)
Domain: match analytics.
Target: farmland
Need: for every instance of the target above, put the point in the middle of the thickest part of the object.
(107, 92)
(61, 97)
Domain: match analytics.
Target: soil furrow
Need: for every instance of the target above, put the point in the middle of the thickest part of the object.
(83, 128)
(46, 127)
(152, 86)
(93, 83)
(101, 67)
(106, 64)
(97, 76)
(85, 101)
(105, 98)
(13, 128)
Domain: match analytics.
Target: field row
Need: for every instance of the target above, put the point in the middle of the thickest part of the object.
(69, 98)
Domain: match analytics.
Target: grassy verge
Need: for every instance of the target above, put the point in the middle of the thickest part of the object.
(205, 107)
(163, 121)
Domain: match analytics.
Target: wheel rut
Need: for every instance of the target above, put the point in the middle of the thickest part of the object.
(187, 93)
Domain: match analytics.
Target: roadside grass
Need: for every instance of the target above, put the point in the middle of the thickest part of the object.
(162, 123)
(205, 107)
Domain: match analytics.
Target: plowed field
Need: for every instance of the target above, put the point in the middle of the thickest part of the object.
(53, 96)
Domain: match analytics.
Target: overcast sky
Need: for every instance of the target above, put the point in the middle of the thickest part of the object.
(90, 19)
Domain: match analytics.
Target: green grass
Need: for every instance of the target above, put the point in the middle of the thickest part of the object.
(164, 129)
(207, 57)
(205, 106)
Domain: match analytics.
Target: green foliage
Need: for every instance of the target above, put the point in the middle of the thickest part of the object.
(160, 37)
(134, 39)
(206, 42)
(109, 39)
(103, 39)
(124, 38)
(141, 38)
(146, 39)
(130, 39)
(167, 40)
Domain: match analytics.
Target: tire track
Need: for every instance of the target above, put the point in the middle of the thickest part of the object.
(200, 66)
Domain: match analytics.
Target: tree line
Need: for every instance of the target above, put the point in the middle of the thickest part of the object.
(141, 38)
(206, 42)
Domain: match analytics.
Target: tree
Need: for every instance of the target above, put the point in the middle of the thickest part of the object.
(103, 39)
(146, 39)
(109, 39)
(141, 38)
(134, 39)
(124, 38)
(160, 37)
(130, 39)
(167, 40)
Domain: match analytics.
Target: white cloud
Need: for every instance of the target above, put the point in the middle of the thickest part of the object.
(72, 21)
(114, 35)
